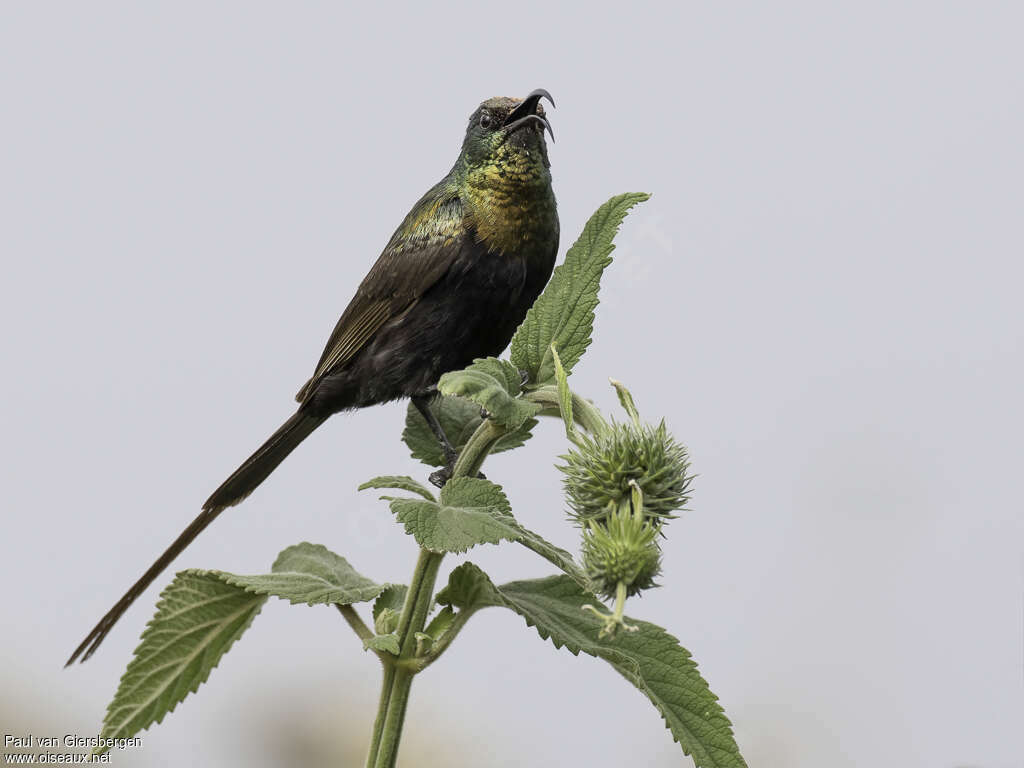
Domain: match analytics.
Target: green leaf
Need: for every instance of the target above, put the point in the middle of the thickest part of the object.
(563, 315)
(388, 643)
(311, 574)
(201, 614)
(440, 624)
(392, 598)
(469, 589)
(626, 400)
(387, 608)
(471, 511)
(459, 418)
(493, 385)
(198, 618)
(650, 658)
(564, 394)
(398, 482)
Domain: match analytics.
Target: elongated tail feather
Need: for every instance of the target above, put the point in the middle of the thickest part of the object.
(242, 482)
(258, 467)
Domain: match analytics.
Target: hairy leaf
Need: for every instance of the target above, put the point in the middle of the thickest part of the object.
(471, 511)
(311, 574)
(398, 482)
(650, 658)
(388, 643)
(393, 598)
(563, 315)
(201, 614)
(198, 618)
(459, 418)
(440, 624)
(493, 385)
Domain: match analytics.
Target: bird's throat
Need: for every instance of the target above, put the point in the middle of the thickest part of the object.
(509, 202)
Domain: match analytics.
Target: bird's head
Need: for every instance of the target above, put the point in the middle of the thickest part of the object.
(506, 137)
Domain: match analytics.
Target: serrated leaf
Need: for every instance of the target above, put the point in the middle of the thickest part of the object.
(311, 574)
(199, 616)
(473, 492)
(400, 483)
(202, 613)
(459, 418)
(388, 643)
(469, 589)
(464, 497)
(650, 658)
(493, 385)
(471, 511)
(563, 315)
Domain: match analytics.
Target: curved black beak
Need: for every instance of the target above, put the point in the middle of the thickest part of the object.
(526, 112)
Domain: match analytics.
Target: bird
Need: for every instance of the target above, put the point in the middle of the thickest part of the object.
(452, 285)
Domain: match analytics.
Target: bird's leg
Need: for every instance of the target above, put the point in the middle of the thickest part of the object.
(441, 476)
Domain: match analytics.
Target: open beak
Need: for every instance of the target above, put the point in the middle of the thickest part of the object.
(526, 113)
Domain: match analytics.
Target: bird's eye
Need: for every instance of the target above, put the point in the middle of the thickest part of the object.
(485, 120)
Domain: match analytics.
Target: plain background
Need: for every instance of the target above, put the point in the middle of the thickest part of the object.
(823, 300)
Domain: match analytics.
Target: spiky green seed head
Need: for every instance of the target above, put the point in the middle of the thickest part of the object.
(600, 471)
(622, 548)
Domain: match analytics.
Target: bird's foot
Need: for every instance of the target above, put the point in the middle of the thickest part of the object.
(441, 476)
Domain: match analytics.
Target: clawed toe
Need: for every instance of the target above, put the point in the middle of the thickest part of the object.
(441, 476)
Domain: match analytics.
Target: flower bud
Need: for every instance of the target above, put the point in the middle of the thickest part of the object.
(386, 621)
(621, 549)
(601, 470)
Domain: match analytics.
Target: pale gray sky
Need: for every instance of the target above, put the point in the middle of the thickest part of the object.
(822, 299)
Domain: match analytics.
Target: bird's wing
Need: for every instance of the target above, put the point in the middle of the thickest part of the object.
(419, 253)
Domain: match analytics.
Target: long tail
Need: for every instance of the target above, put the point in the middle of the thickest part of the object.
(242, 482)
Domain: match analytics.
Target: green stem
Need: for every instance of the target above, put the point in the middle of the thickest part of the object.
(399, 672)
(584, 412)
(480, 443)
(355, 621)
(391, 730)
(620, 602)
(382, 712)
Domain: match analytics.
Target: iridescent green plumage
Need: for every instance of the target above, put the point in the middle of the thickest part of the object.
(452, 285)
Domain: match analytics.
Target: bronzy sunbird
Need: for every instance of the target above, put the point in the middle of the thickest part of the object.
(453, 284)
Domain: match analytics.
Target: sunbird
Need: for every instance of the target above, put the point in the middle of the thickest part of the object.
(452, 285)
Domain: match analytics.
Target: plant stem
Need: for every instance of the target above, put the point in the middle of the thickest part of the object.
(473, 453)
(399, 672)
(355, 621)
(382, 712)
(584, 412)
(394, 697)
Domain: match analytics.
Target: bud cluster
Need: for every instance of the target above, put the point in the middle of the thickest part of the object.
(600, 473)
(623, 548)
(622, 485)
